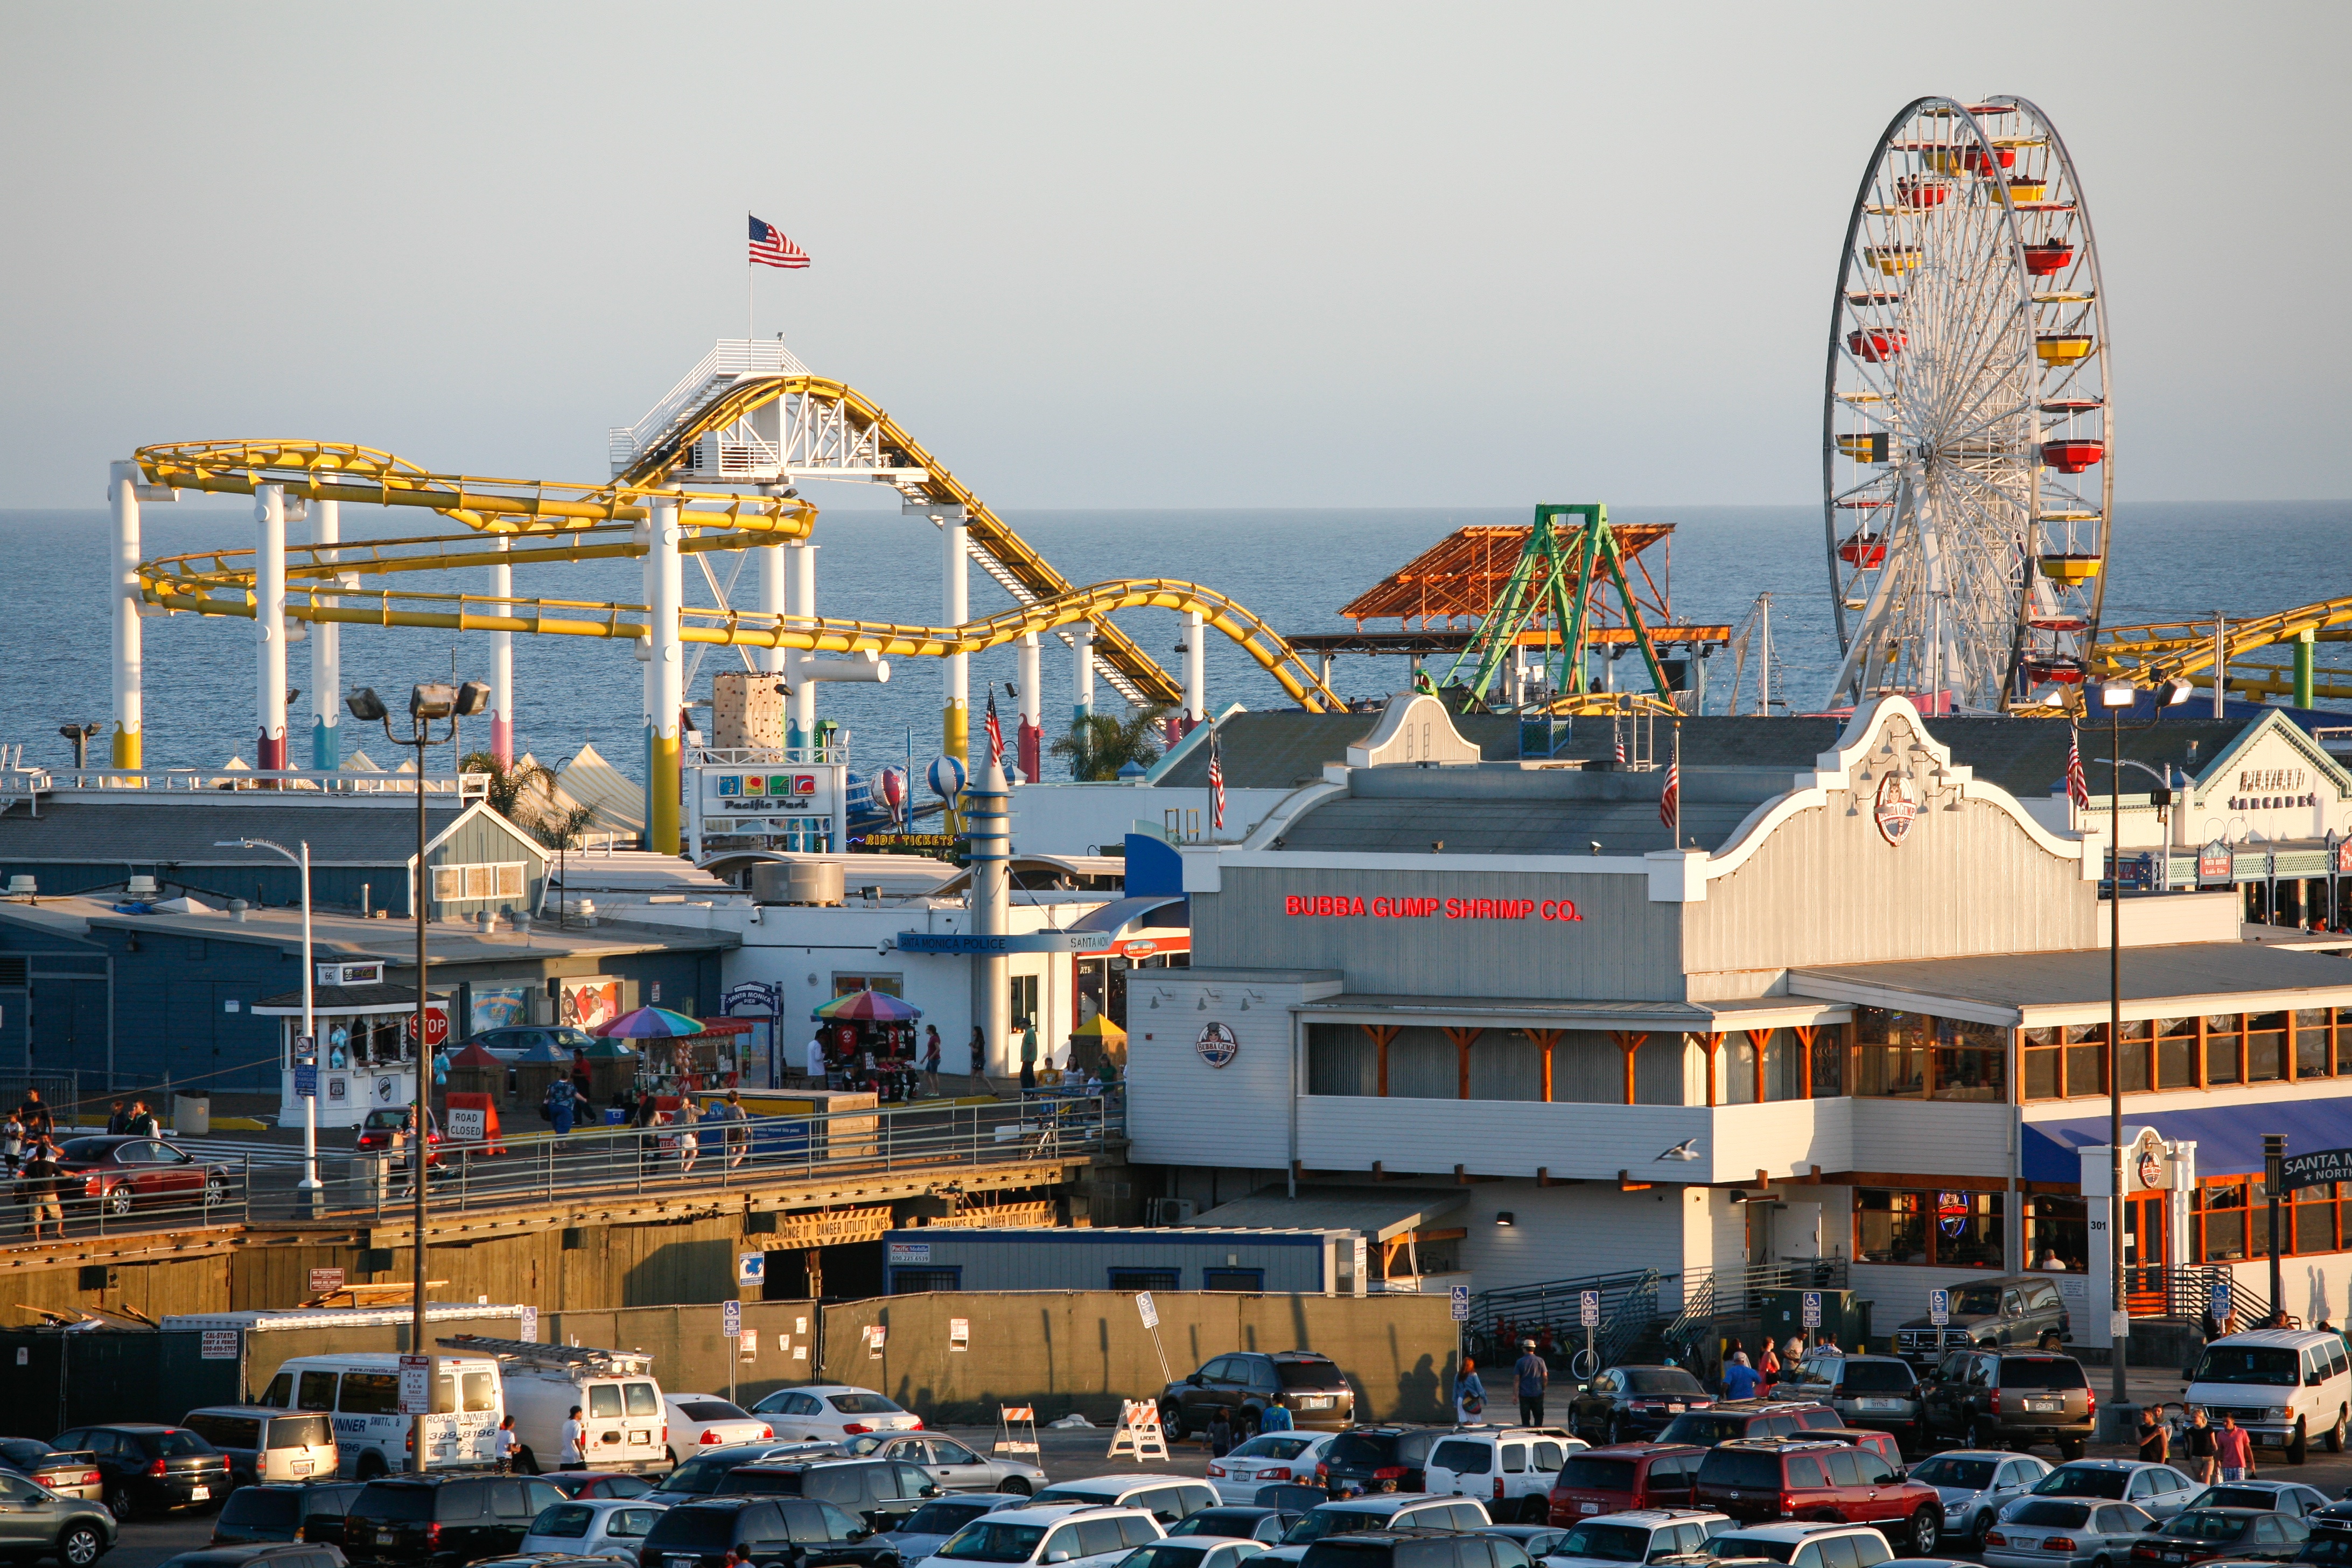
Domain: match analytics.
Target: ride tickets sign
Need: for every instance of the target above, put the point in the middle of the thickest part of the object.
(1316, 906)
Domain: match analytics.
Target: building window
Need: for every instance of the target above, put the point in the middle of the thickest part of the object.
(1970, 1061)
(2265, 1047)
(1233, 1278)
(2175, 1053)
(2311, 1043)
(915, 1281)
(2136, 1062)
(2086, 1059)
(2224, 1050)
(1916, 1056)
(2043, 1068)
(2232, 1220)
(1946, 1229)
(1890, 1053)
(1829, 1064)
(467, 884)
(847, 985)
(2312, 1227)
(1134, 1279)
(2057, 1235)
(2221, 1221)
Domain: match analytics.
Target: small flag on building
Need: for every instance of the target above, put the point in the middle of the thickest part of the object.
(2077, 791)
(771, 249)
(995, 731)
(1216, 781)
(1670, 802)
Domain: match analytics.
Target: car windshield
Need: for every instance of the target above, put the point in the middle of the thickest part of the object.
(2273, 1364)
(2042, 1371)
(1360, 1448)
(2207, 1524)
(1705, 1430)
(944, 1518)
(262, 1505)
(1974, 1474)
(1753, 1546)
(1877, 1377)
(1611, 1543)
(1320, 1523)
(1581, 1473)
(1663, 1379)
(983, 1541)
(698, 1478)
(1273, 1446)
(2038, 1511)
(1976, 1299)
(1216, 1521)
(1308, 1374)
(2234, 1497)
(23, 1450)
(862, 1405)
(710, 1410)
(2082, 1480)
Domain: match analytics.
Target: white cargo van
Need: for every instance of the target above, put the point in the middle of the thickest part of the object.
(2286, 1386)
(625, 1424)
(362, 1392)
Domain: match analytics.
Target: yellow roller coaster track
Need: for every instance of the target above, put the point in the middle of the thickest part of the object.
(572, 522)
(2164, 650)
(986, 529)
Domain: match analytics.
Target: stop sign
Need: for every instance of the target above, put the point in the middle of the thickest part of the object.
(437, 1027)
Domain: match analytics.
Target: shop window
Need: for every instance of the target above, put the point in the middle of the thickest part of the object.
(1967, 1230)
(1133, 1280)
(1829, 1065)
(466, 884)
(2265, 1047)
(2311, 1043)
(2057, 1235)
(1783, 1066)
(888, 985)
(1890, 1053)
(1889, 1227)
(1252, 1279)
(2086, 1059)
(2136, 1060)
(2041, 1064)
(1740, 1074)
(2311, 1226)
(2224, 1049)
(1947, 1229)
(1022, 993)
(1970, 1061)
(2220, 1220)
(2175, 1053)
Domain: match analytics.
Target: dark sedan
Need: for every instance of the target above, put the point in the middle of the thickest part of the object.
(1625, 1404)
(126, 1174)
(67, 1475)
(2200, 1534)
(385, 1124)
(152, 1468)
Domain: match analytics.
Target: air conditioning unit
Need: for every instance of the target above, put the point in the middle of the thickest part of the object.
(1173, 1211)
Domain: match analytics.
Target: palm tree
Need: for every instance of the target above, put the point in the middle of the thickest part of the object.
(1100, 745)
(561, 829)
(508, 781)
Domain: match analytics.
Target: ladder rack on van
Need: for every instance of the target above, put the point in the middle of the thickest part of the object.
(573, 1359)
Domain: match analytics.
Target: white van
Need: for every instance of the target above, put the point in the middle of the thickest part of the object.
(362, 1392)
(2286, 1386)
(624, 1424)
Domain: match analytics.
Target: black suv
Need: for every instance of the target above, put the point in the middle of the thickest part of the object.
(1415, 1549)
(1627, 1404)
(147, 1466)
(1733, 1418)
(1310, 1387)
(2015, 1310)
(444, 1520)
(884, 1493)
(1992, 1401)
(1376, 1459)
(804, 1532)
(284, 1511)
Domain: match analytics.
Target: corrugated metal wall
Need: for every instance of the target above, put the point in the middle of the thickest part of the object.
(1082, 1259)
(1625, 947)
(1827, 888)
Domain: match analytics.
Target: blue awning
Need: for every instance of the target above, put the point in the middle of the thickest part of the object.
(2229, 1139)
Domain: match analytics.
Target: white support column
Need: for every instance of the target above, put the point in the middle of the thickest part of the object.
(988, 811)
(1030, 741)
(326, 651)
(270, 625)
(665, 676)
(1082, 644)
(1196, 680)
(955, 608)
(800, 560)
(123, 492)
(502, 691)
(772, 601)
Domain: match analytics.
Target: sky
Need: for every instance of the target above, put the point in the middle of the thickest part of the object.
(1126, 256)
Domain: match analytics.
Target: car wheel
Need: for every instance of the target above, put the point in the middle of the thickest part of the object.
(118, 1199)
(1972, 1542)
(80, 1545)
(118, 1502)
(2298, 1447)
(2335, 1436)
(1980, 1435)
(370, 1467)
(671, 1454)
(2071, 1448)
(1017, 1485)
(1535, 1511)
(1925, 1526)
(1171, 1422)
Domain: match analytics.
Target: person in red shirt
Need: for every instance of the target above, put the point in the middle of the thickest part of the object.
(2234, 1447)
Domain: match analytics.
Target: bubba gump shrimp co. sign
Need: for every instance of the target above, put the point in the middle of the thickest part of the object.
(1341, 906)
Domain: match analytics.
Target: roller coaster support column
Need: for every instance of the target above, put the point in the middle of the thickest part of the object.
(665, 586)
(771, 603)
(502, 691)
(1082, 700)
(269, 623)
(2306, 642)
(988, 811)
(955, 708)
(800, 599)
(1030, 740)
(326, 651)
(1196, 680)
(123, 488)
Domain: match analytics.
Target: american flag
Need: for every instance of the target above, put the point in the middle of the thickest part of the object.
(771, 249)
(2077, 791)
(995, 731)
(1670, 801)
(1216, 781)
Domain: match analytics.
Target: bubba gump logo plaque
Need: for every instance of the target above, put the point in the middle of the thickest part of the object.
(1896, 806)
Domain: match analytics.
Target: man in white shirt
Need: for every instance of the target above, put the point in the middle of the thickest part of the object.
(576, 1443)
(816, 1060)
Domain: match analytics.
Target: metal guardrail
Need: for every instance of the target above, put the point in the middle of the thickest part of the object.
(540, 1168)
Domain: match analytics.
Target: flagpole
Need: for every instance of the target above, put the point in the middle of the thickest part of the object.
(1678, 786)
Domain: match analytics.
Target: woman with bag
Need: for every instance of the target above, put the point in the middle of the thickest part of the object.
(1469, 1394)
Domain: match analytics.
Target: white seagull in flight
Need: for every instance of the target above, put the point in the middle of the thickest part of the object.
(1686, 1149)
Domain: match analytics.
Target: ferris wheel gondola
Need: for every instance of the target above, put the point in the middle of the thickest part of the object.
(1967, 438)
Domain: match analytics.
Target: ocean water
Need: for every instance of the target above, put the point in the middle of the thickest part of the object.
(1295, 568)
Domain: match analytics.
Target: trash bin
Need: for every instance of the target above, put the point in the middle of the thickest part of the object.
(191, 1115)
(371, 1175)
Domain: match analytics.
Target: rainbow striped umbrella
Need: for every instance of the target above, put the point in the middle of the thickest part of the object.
(867, 1007)
(649, 1023)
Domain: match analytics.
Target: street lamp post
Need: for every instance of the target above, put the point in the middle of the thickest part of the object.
(310, 1185)
(2115, 696)
(426, 702)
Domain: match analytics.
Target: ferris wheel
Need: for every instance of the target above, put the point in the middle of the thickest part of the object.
(1967, 439)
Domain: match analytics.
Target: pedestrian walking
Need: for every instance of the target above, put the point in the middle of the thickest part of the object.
(815, 1061)
(2233, 1446)
(648, 1118)
(563, 1106)
(689, 1143)
(931, 1061)
(2154, 1436)
(1534, 1377)
(1028, 1054)
(1275, 1418)
(1769, 1370)
(1741, 1381)
(34, 1113)
(12, 1145)
(502, 1444)
(118, 1119)
(42, 1174)
(980, 1059)
(1469, 1394)
(1221, 1433)
(142, 1121)
(2204, 1444)
(575, 1442)
(737, 1127)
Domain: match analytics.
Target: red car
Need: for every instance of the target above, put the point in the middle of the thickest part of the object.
(124, 1174)
(598, 1484)
(385, 1122)
(1621, 1478)
(1760, 1480)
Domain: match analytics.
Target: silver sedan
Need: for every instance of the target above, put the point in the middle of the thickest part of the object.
(1975, 1484)
(2158, 1490)
(2064, 1532)
(949, 1464)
